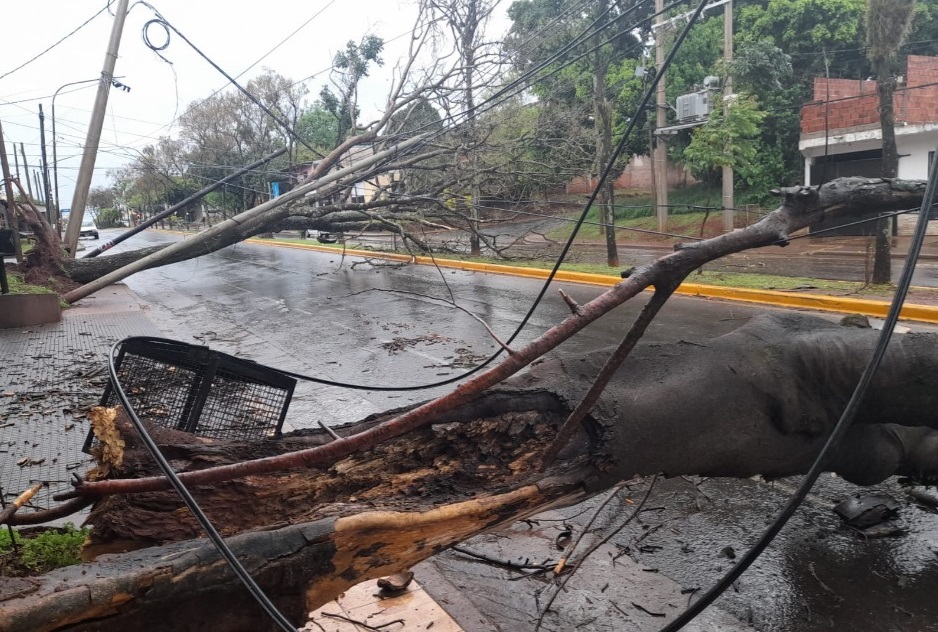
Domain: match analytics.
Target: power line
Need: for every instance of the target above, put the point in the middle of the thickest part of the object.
(286, 39)
(81, 26)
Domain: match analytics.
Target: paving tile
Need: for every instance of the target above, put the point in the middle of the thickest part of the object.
(416, 608)
(321, 623)
(359, 595)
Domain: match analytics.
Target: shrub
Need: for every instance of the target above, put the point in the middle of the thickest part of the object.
(46, 551)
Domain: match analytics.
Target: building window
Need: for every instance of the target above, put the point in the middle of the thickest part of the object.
(358, 193)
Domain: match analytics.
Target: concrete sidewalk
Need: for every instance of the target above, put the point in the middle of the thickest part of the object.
(51, 375)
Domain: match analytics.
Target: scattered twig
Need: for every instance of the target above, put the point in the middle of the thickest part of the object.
(362, 623)
(589, 523)
(492, 560)
(690, 592)
(814, 575)
(21, 500)
(332, 432)
(592, 549)
(317, 624)
(572, 304)
(647, 611)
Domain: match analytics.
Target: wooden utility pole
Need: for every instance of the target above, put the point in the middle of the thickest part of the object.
(660, 155)
(728, 198)
(29, 186)
(12, 220)
(86, 169)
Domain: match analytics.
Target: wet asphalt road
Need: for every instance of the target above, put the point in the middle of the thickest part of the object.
(314, 313)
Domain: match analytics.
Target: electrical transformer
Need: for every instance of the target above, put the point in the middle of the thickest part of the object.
(693, 107)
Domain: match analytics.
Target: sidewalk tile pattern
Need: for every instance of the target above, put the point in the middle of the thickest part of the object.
(50, 376)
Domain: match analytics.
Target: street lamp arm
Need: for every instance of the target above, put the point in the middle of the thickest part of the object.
(55, 156)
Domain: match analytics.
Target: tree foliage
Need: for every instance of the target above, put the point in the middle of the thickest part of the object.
(732, 140)
(349, 67)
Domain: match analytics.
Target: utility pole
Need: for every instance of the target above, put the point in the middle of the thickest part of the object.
(86, 170)
(16, 160)
(12, 220)
(29, 186)
(40, 192)
(728, 201)
(660, 155)
(51, 211)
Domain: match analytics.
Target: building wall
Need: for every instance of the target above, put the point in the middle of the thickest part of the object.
(913, 152)
(636, 175)
(855, 104)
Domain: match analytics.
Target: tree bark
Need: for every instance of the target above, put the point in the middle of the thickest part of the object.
(885, 87)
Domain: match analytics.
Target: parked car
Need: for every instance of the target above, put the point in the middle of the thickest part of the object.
(88, 228)
(323, 237)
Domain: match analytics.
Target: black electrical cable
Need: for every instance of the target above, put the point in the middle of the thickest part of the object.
(269, 608)
(80, 26)
(843, 424)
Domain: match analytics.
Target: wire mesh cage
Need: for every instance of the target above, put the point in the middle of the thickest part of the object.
(195, 389)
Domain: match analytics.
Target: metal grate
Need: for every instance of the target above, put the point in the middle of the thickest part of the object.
(194, 389)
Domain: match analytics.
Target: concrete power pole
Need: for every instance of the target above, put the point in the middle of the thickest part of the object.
(660, 155)
(728, 201)
(29, 185)
(40, 194)
(86, 170)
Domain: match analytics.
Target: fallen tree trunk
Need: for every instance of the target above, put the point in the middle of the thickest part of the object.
(761, 399)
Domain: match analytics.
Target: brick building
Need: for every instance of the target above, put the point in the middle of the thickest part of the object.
(840, 132)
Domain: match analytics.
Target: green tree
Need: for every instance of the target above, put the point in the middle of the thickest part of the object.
(733, 140)
(228, 130)
(101, 197)
(349, 67)
(318, 128)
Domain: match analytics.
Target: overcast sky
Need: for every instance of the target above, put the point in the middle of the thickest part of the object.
(233, 33)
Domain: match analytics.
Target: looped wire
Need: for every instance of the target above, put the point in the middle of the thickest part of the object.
(156, 48)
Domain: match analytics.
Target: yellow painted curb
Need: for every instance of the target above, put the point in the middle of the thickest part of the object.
(817, 302)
